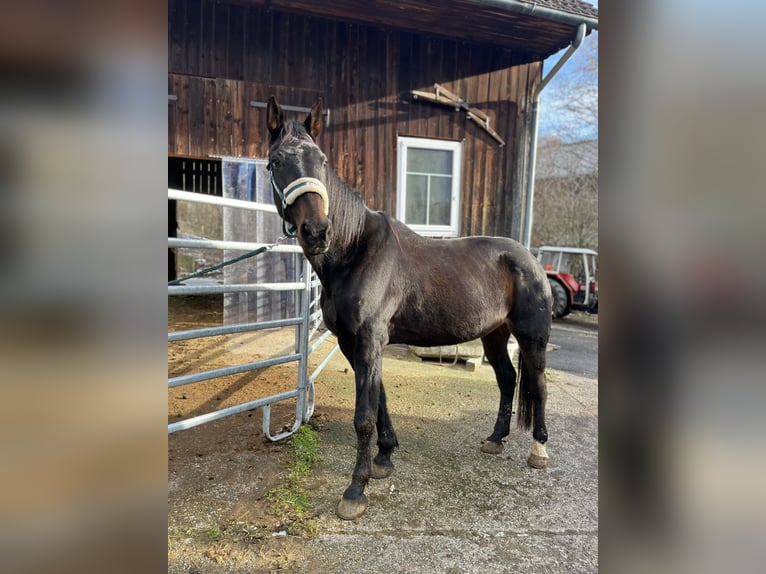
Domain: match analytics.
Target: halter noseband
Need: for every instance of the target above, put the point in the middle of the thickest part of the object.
(293, 191)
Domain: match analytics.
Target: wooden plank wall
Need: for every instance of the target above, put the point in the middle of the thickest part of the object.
(221, 56)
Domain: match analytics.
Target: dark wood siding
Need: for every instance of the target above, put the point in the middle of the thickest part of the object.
(223, 56)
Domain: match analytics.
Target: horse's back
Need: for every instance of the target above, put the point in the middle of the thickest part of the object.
(530, 300)
(454, 290)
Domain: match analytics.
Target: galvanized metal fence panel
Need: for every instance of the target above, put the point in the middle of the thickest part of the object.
(306, 319)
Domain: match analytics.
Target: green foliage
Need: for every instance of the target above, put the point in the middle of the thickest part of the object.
(215, 534)
(291, 499)
(304, 442)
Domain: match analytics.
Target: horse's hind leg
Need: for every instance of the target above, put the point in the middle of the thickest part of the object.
(532, 397)
(496, 350)
(382, 466)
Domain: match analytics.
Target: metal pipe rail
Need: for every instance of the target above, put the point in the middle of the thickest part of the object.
(236, 409)
(247, 288)
(226, 371)
(177, 194)
(231, 329)
(306, 321)
(231, 245)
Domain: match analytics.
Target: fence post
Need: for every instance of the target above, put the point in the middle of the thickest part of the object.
(303, 349)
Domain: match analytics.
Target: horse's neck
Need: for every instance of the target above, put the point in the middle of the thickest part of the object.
(344, 250)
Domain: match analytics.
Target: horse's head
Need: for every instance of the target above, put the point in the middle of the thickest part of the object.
(298, 176)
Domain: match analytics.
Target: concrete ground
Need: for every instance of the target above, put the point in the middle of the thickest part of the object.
(448, 507)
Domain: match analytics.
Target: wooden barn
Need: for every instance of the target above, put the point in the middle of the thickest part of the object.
(428, 104)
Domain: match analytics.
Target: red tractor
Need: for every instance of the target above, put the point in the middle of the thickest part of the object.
(572, 274)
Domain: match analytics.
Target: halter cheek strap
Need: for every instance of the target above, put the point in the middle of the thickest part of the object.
(293, 191)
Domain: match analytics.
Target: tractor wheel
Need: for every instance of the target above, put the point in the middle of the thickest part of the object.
(560, 299)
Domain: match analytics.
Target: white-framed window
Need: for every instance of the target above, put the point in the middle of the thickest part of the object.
(428, 185)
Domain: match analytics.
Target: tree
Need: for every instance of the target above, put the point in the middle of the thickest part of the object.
(566, 182)
(566, 194)
(570, 103)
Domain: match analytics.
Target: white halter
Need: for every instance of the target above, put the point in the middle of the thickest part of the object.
(305, 185)
(293, 191)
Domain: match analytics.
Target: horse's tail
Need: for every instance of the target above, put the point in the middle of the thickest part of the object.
(525, 402)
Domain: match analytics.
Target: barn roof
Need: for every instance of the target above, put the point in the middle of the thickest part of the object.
(534, 28)
(569, 6)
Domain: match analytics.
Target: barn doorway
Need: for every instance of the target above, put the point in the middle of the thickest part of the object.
(198, 175)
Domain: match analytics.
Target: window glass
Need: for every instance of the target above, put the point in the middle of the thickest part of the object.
(439, 200)
(549, 260)
(428, 192)
(429, 161)
(417, 199)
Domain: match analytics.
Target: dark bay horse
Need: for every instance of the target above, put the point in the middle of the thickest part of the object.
(383, 283)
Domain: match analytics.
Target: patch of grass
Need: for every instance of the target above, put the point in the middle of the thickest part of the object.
(214, 534)
(291, 499)
(304, 442)
(179, 532)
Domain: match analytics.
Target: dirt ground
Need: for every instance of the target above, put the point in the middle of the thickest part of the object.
(219, 519)
(219, 473)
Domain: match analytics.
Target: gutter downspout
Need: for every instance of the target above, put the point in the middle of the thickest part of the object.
(529, 203)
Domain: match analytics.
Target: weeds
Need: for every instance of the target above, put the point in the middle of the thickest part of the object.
(291, 499)
(214, 534)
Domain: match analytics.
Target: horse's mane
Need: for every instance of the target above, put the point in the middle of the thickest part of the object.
(347, 211)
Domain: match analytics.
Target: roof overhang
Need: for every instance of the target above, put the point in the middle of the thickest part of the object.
(535, 30)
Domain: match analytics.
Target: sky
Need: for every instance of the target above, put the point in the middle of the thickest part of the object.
(568, 85)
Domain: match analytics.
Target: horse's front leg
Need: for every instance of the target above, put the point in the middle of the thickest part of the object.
(368, 365)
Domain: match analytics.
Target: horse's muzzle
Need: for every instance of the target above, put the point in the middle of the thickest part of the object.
(315, 236)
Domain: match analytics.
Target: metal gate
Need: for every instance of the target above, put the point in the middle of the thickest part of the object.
(305, 318)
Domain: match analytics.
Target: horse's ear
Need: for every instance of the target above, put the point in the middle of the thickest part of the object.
(313, 121)
(275, 117)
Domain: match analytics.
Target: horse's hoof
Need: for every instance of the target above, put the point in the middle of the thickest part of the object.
(537, 461)
(538, 457)
(491, 447)
(351, 509)
(381, 471)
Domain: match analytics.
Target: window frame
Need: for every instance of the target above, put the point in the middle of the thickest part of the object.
(404, 144)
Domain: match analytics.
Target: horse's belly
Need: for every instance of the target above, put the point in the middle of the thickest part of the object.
(446, 329)
(429, 340)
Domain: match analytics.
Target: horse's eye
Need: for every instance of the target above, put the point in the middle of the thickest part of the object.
(274, 163)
